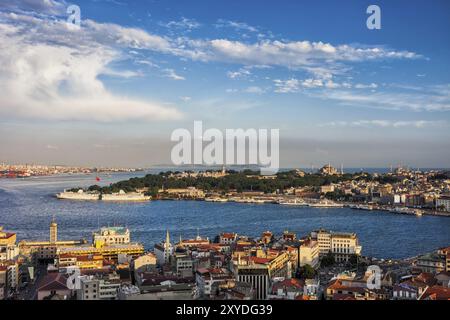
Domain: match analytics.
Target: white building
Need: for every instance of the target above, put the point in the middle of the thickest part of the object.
(342, 245)
(444, 203)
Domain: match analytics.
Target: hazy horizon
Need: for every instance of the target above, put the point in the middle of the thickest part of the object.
(111, 92)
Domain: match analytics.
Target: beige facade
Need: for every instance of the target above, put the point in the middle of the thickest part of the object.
(341, 245)
(309, 253)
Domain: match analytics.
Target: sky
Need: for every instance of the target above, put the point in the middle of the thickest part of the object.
(111, 92)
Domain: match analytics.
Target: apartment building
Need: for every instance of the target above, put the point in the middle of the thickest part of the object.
(342, 245)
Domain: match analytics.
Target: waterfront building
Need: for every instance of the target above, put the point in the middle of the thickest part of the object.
(111, 236)
(309, 253)
(47, 250)
(443, 203)
(431, 262)
(110, 252)
(227, 238)
(7, 238)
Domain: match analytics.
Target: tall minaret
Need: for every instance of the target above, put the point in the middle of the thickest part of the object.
(167, 248)
(53, 231)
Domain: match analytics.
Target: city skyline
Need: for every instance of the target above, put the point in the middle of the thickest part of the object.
(111, 93)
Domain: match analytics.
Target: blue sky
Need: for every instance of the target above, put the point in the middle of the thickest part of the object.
(112, 92)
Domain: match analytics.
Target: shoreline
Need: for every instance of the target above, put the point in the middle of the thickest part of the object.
(330, 205)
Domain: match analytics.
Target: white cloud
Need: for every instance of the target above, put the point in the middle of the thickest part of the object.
(41, 6)
(254, 89)
(186, 98)
(238, 74)
(50, 72)
(170, 73)
(386, 123)
(433, 98)
(286, 86)
(240, 26)
(366, 86)
(184, 24)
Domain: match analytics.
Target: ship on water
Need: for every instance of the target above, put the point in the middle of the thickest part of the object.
(78, 195)
(95, 196)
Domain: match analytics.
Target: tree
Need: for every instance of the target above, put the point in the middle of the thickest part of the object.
(353, 260)
(307, 272)
(328, 260)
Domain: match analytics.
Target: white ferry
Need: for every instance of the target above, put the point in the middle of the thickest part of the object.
(95, 196)
(79, 195)
(125, 196)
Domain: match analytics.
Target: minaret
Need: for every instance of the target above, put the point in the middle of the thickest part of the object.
(53, 231)
(167, 248)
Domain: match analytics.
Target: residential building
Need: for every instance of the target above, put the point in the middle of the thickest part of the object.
(227, 238)
(52, 285)
(99, 288)
(431, 262)
(207, 279)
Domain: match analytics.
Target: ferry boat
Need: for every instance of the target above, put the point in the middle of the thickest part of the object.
(125, 196)
(79, 195)
(95, 196)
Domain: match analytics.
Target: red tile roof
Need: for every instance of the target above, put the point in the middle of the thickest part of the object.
(53, 282)
(436, 293)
